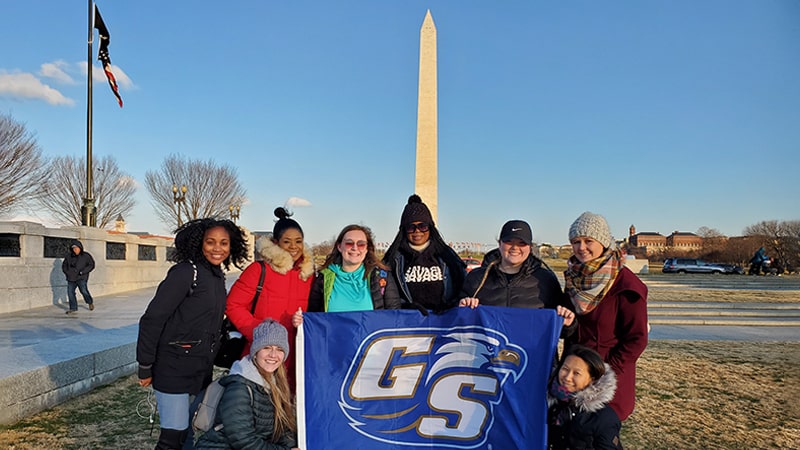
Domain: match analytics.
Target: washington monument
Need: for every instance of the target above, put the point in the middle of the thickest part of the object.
(426, 182)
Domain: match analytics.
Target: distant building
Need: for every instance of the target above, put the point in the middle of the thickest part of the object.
(684, 241)
(650, 243)
(645, 243)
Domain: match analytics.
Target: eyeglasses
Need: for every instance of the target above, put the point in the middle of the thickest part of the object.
(422, 227)
(360, 244)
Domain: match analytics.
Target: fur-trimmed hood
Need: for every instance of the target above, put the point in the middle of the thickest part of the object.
(595, 396)
(281, 261)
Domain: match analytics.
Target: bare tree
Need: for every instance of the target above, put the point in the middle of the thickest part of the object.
(706, 232)
(211, 189)
(21, 163)
(322, 250)
(782, 239)
(713, 240)
(65, 187)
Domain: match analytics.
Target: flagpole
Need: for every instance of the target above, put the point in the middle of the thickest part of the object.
(88, 209)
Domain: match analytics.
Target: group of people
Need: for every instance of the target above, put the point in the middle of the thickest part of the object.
(603, 306)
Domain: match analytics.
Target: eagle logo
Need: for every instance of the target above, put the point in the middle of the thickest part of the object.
(425, 386)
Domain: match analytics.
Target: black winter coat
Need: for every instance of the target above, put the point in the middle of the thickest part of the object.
(586, 422)
(242, 421)
(454, 272)
(179, 331)
(535, 286)
(77, 267)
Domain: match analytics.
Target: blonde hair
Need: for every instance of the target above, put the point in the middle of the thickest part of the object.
(277, 384)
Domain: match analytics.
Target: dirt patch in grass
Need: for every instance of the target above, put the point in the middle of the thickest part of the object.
(719, 395)
(101, 419)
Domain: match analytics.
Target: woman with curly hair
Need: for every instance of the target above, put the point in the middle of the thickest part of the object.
(179, 331)
(286, 275)
(352, 277)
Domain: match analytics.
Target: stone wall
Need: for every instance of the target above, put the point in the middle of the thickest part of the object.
(32, 279)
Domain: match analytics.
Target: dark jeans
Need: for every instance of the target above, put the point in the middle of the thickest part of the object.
(73, 301)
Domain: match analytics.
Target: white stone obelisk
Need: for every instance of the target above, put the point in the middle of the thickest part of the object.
(426, 182)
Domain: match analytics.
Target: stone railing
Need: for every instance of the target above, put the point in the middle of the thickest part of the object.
(31, 257)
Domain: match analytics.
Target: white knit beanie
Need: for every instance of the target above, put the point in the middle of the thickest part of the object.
(270, 332)
(591, 225)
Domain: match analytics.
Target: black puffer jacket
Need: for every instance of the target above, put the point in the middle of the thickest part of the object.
(535, 286)
(245, 415)
(179, 331)
(586, 422)
(77, 267)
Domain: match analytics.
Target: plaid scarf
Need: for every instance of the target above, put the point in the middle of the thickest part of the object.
(587, 283)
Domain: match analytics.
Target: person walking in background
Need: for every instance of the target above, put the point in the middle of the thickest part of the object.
(179, 331)
(578, 415)
(255, 411)
(76, 266)
(427, 271)
(610, 302)
(288, 273)
(352, 278)
(513, 276)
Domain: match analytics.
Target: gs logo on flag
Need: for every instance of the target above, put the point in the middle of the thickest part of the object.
(397, 380)
(410, 386)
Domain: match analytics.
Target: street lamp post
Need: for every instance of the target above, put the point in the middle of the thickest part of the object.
(179, 198)
(234, 210)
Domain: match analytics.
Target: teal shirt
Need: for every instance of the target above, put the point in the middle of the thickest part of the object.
(350, 291)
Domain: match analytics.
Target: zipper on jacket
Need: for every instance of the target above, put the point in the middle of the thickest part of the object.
(185, 344)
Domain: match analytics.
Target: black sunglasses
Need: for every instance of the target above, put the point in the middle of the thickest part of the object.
(422, 227)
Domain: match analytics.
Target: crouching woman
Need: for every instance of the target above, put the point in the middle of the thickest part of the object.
(578, 415)
(255, 410)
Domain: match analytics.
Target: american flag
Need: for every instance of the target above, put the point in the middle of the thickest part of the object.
(102, 54)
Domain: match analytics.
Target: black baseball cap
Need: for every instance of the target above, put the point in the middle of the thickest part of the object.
(516, 229)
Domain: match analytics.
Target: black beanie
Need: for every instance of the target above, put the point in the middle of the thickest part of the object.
(415, 211)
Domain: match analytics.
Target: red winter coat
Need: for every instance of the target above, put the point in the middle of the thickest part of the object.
(617, 329)
(285, 289)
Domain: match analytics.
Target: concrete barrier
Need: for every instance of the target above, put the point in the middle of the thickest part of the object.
(51, 372)
(31, 278)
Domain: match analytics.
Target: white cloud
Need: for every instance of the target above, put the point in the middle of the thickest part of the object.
(27, 86)
(57, 71)
(296, 201)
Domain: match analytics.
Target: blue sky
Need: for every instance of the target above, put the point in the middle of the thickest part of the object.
(657, 114)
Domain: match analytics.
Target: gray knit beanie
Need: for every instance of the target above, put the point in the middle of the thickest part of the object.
(591, 225)
(270, 332)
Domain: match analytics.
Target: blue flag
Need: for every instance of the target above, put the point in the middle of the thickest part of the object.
(465, 379)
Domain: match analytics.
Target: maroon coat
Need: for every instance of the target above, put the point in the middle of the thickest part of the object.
(617, 329)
